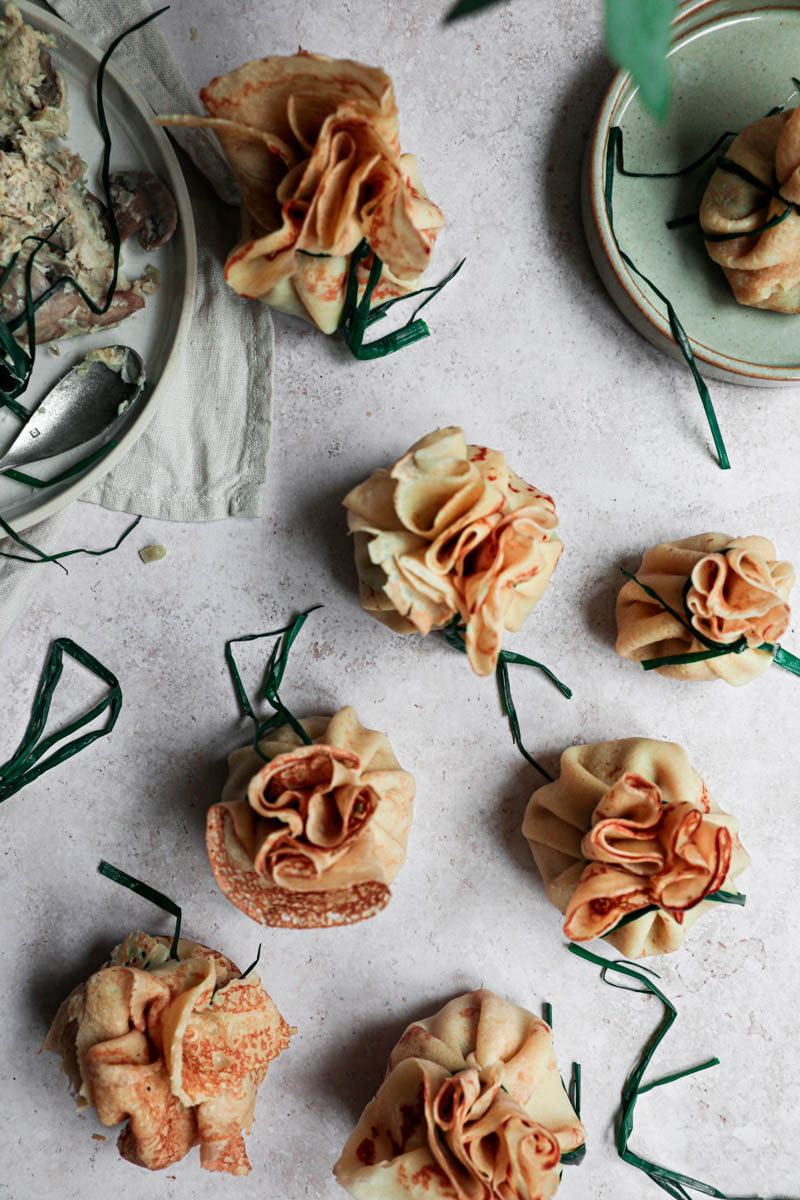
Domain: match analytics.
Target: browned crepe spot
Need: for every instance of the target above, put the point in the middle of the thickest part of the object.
(275, 906)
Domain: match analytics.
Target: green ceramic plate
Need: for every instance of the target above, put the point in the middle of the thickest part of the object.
(731, 63)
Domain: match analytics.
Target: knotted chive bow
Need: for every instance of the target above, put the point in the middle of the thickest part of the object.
(357, 316)
(719, 897)
(782, 657)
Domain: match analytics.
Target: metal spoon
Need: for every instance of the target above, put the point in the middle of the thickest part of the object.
(84, 407)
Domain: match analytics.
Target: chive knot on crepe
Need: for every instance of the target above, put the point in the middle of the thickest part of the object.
(359, 311)
(706, 607)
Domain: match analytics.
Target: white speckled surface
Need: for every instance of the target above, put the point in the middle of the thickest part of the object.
(530, 356)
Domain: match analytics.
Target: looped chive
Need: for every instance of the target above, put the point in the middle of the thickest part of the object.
(41, 557)
(276, 667)
(614, 160)
(783, 658)
(19, 770)
(672, 1182)
(718, 897)
(454, 635)
(144, 889)
(357, 316)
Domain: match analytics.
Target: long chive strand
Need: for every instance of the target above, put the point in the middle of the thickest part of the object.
(678, 332)
(672, 1182)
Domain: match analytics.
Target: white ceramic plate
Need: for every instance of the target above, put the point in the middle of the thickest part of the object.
(731, 61)
(159, 330)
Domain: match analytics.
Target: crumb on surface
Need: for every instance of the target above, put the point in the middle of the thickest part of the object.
(150, 554)
(193, 34)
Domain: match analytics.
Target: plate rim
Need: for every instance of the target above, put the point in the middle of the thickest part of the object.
(47, 22)
(633, 302)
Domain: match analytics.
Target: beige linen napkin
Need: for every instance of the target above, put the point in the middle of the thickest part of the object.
(204, 455)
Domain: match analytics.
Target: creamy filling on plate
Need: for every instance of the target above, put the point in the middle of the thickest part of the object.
(42, 185)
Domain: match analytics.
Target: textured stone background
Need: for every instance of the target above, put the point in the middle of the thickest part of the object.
(529, 355)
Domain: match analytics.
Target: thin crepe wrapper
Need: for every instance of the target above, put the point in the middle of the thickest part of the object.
(151, 1046)
(314, 145)
(352, 878)
(762, 269)
(645, 630)
(559, 816)
(483, 1058)
(451, 531)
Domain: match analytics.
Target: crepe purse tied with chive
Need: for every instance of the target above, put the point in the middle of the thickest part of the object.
(314, 144)
(178, 1046)
(314, 837)
(472, 1108)
(630, 826)
(727, 589)
(763, 269)
(450, 531)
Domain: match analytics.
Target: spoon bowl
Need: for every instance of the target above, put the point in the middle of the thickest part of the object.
(85, 408)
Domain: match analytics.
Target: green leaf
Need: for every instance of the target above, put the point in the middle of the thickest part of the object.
(638, 39)
(465, 7)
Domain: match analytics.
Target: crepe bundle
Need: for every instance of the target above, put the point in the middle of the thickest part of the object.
(178, 1046)
(629, 825)
(315, 836)
(472, 1108)
(450, 531)
(733, 588)
(314, 145)
(763, 269)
